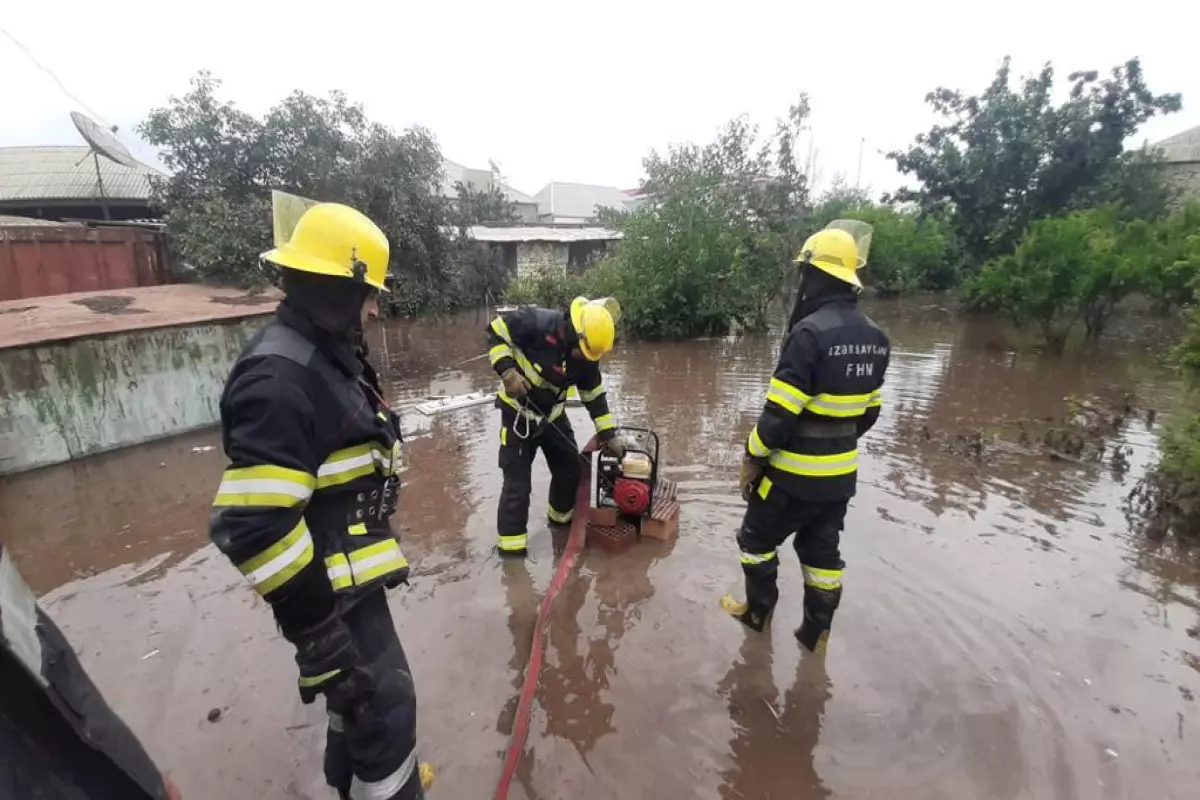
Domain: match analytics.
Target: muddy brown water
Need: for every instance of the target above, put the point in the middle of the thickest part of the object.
(1002, 635)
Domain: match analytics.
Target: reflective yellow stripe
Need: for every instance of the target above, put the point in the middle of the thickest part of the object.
(554, 414)
(755, 558)
(514, 542)
(397, 458)
(530, 369)
(604, 422)
(382, 415)
(349, 463)
(337, 567)
(498, 352)
(317, 680)
(839, 405)
(764, 487)
(822, 578)
(503, 434)
(280, 562)
(588, 395)
(376, 560)
(815, 466)
(264, 485)
(357, 529)
(876, 399)
(755, 445)
(561, 517)
(787, 396)
(501, 329)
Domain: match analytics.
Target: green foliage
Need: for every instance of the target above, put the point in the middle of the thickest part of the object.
(713, 245)
(478, 272)
(548, 290)
(1078, 267)
(224, 162)
(909, 251)
(1006, 158)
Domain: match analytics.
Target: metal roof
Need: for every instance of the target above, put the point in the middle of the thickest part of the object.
(483, 233)
(516, 195)
(1182, 147)
(579, 199)
(7, 221)
(68, 173)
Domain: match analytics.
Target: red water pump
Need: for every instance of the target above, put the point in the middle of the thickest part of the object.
(629, 482)
(632, 495)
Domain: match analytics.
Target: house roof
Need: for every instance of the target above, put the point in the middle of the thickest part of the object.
(578, 199)
(68, 173)
(516, 195)
(535, 233)
(1182, 147)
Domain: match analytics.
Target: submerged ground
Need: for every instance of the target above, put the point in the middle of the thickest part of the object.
(1002, 635)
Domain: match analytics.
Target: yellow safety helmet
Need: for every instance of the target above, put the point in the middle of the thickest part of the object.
(595, 321)
(834, 252)
(333, 239)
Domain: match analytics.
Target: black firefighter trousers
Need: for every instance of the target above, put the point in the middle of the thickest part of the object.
(370, 750)
(817, 525)
(557, 441)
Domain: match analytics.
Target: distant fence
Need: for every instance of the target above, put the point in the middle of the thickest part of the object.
(40, 260)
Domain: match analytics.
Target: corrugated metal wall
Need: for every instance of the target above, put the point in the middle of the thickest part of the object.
(43, 260)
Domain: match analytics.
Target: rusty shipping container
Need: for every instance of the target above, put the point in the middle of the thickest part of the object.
(42, 260)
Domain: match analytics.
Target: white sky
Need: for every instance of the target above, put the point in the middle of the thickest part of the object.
(578, 91)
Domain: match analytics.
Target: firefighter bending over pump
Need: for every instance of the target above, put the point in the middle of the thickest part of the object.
(539, 353)
(303, 510)
(800, 468)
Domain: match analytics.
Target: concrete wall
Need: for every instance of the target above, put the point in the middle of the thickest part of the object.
(541, 257)
(1185, 176)
(67, 400)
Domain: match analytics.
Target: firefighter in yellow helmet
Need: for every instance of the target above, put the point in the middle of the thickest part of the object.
(540, 353)
(304, 509)
(800, 466)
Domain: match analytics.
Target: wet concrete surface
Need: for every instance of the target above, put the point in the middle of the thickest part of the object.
(1002, 634)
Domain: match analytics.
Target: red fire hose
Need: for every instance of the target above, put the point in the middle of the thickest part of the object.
(520, 730)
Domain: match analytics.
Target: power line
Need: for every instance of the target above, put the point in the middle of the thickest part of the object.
(50, 72)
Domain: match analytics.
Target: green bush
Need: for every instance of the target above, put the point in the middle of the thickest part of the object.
(1077, 268)
(910, 252)
(546, 289)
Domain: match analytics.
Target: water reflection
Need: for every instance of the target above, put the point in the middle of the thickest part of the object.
(774, 747)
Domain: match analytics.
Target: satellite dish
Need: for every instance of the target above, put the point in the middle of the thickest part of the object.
(102, 140)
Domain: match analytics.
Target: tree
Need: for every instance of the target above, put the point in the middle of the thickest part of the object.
(224, 162)
(714, 244)
(1006, 158)
(480, 273)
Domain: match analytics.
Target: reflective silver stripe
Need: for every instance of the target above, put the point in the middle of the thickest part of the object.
(822, 578)
(336, 723)
(588, 395)
(842, 408)
(346, 464)
(800, 464)
(293, 553)
(386, 788)
(265, 486)
(18, 618)
(755, 558)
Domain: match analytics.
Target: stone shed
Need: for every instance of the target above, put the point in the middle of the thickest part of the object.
(529, 250)
(1181, 155)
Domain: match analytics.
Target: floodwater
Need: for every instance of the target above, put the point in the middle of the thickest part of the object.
(1002, 634)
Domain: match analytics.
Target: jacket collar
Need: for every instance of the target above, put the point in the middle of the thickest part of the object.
(342, 353)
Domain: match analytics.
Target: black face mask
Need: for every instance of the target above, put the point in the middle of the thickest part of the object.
(333, 304)
(815, 285)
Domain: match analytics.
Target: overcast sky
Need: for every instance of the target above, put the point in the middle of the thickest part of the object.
(578, 91)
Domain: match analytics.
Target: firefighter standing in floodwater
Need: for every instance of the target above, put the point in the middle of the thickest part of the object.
(539, 353)
(800, 468)
(303, 509)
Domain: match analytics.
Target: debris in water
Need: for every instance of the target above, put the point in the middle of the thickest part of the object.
(1187, 693)
(214, 714)
(1108, 751)
(1179, 714)
(204, 449)
(151, 654)
(1194, 631)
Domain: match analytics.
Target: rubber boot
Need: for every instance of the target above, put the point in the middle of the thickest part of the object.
(819, 605)
(757, 620)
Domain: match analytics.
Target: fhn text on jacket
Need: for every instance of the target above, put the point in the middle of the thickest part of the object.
(801, 461)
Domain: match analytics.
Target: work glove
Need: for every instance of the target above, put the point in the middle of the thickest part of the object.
(516, 385)
(751, 472)
(614, 445)
(329, 664)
